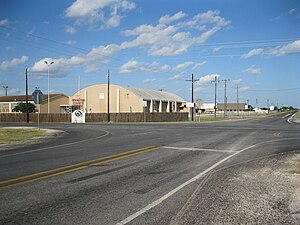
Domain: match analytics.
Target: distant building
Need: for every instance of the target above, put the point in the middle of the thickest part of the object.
(207, 107)
(125, 99)
(232, 107)
(57, 103)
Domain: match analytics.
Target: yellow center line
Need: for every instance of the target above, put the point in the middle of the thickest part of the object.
(73, 165)
(122, 156)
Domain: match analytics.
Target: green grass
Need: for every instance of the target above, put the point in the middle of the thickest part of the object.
(296, 169)
(8, 136)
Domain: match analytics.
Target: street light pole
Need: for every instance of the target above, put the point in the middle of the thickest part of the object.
(5, 87)
(48, 64)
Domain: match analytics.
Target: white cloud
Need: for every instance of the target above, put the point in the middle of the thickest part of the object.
(197, 65)
(291, 48)
(129, 67)
(70, 42)
(257, 51)
(292, 11)
(169, 19)
(62, 66)
(236, 82)
(207, 79)
(167, 40)
(9, 48)
(12, 63)
(216, 49)
(99, 14)
(177, 76)
(253, 70)
(135, 66)
(70, 30)
(244, 89)
(3, 22)
(149, 80)
(202, 21)
(182, 66)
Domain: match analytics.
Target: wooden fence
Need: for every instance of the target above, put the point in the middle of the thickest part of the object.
(95, 117)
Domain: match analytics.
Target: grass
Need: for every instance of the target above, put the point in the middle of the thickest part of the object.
(8, 136)
(296, 169)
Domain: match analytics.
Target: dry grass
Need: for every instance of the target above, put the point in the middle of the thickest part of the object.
(8, 136)
(296, 167)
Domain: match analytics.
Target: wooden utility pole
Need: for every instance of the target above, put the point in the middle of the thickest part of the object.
(108, 113)
(215, 81)
(26, 84)
(193, 108)
(225, 97)
(237, 99)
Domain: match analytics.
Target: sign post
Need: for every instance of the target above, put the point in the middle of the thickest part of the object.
(37, 96)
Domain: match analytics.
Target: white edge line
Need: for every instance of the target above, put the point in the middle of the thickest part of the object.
(288, 120)
(57, 146)
(198, 149)
(160, 200)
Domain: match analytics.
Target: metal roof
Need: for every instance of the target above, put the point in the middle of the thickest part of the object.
(21, 98)
(147, 94)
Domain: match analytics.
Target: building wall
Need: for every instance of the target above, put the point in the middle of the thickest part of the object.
(7, 107)
(55, 103)
(95, 99)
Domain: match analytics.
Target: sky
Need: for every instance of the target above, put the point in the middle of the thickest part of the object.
(156, 44)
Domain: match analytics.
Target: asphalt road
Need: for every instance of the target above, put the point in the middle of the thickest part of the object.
(130, 173)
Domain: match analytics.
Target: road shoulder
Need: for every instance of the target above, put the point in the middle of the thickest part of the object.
(257, 192)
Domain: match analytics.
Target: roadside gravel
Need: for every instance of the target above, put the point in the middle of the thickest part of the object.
(257, 192)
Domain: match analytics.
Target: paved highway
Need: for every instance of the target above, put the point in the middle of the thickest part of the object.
(131, 173)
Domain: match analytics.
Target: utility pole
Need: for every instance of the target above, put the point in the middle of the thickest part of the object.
(108, 114)
(193, 108)
(225, 98)
(215, 81)
(48, 65)
(5, 87)
(237, 99)
(26, 79)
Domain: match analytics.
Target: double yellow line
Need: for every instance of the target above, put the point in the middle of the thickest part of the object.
(5, 184)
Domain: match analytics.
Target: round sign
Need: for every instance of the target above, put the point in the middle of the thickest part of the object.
(78, 113)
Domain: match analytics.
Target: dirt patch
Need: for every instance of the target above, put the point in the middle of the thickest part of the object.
(257, 192)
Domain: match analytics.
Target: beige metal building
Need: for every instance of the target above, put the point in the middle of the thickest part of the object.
(94, 99)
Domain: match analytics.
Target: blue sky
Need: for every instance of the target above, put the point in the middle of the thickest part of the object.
(155, 45)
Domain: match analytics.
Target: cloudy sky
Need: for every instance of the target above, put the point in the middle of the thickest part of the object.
(155, 44)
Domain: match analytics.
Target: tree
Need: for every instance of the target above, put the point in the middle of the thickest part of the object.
(21, 107)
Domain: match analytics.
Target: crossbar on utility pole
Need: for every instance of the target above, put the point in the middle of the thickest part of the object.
(225, 97)
(193, 81)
